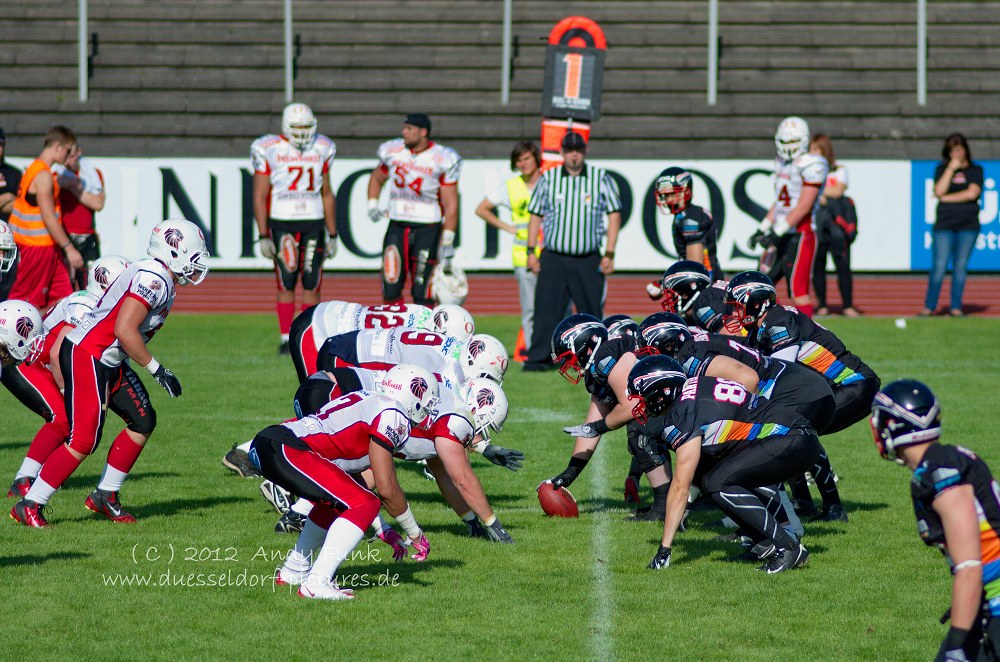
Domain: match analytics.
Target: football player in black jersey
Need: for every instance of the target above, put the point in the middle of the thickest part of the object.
(687, 289)
(735, 443)
(582, 349)
(693, 228)
(955, 498)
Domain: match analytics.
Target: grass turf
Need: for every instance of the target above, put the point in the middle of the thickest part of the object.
(569, 589)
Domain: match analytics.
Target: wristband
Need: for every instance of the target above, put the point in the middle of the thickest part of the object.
(479, 446)
(609, 254)
(576, 466)
(152, 366)
(447, 237)
(781, 227)
(955, 638)
(766, 224)
(372, 203)
(65, 246)
(971, 563)
(408, 523)
(600, 426)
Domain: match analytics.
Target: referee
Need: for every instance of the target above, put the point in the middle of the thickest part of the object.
(570, 203)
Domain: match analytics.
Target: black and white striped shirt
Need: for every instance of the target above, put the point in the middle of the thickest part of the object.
(573, 208)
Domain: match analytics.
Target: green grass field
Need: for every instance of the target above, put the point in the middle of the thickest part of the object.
(570, 589)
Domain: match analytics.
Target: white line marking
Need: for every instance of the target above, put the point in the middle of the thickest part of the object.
(601, 643)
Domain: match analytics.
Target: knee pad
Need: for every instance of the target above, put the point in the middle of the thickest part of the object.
(144, 424)
(643, 449)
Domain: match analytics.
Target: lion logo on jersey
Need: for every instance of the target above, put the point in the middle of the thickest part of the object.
(476, 347)
(101, 275)
(173, 237)
(485, 397)
(24, 326)
(418, 386)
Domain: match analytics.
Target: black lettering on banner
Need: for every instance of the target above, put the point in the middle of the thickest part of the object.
(651, 215)
(248, 223)
(747, 206)
(624, 194)
(344, 215)
(172, 190)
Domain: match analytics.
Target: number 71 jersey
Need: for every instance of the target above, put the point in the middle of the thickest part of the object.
(415, 180)
(297, 177)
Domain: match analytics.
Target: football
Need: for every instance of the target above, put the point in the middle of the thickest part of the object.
(557, 502)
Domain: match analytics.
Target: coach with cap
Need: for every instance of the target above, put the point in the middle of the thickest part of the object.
(570, 202)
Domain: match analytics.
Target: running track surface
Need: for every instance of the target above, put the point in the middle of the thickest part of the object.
(874, 295)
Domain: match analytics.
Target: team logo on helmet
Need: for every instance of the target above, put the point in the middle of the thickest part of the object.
(485, 397)
(101, 275)
(440, 318)
(476, 347)
(173, 237)
(643, 382)
(418, 386)
(24, 326)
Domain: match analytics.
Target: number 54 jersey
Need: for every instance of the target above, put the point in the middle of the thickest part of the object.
(415, 180)
(725, 416)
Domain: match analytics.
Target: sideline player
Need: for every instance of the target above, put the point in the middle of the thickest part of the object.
(694, 231)
(92, 360)
(798, 184)
(423, 208)
(294, 207)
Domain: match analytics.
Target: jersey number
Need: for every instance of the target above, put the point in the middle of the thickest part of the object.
(343, 402)
(400, 180)
(727, 391)
(783, 196)
(388, 316)
(298, 171)
(743, 348)
(421, 338)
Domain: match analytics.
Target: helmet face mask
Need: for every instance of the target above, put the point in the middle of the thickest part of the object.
(21, 332)
(681, 284)
(904, 413)
(8, 248)
(180, 245)
(298, 125)
(792, 138)
(654, 382)
(488, 405)
(673, 191)
(574, 343)
(751, 294)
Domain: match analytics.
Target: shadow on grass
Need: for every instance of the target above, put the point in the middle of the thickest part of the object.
(38, 559)
(497, 499)
(602, 504)
(167, 508)
(8, 445)
(85, 481)
(383, 576)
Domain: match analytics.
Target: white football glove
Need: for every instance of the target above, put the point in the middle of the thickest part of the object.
(331, 246)
(267, 248)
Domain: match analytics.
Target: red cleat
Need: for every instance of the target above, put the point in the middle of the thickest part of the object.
(20, 487)
(107, 504)
(631, 491)
(29, 513)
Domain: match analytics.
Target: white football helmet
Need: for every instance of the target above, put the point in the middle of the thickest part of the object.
(103, 272)
(21, 331)
(8, 248)
(485, 356)
(452, 320)
(451, 287)
(298, 124)
(415, 389)
(488, 404)
(180, 244)
(792, 138)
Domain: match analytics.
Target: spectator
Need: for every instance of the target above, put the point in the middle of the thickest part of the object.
(514, 194)
(569, 204)
(42, 276)
(834, 232)
(81, 194)
(958, 183)
(10, 180)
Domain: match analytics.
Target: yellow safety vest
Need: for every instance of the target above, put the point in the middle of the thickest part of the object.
(519, 196)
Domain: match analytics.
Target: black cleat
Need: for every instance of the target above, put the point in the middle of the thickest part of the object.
(762, 551)
(284, 349)
(238, 462)
(290, 522)
(648, 514)
(786, 559)
(833, 513)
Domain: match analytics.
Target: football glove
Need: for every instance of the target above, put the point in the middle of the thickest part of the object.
(267, 248)
(168, 381)
(587, 430)
(504, 457)
(476, 529)
(565, 479)
(331, 246)
(661, 560)
(374, 213)
(952, 649)
(421, 548)
(654, 290)
(497, 533)
(393, 539)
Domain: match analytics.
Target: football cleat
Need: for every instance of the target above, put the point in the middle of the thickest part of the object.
(734, 537)
(285, 577)
(238, 461)
(833, 513)
(279, 498)
(786, 559)
(290, 522)
(648, 514)
(284, 349)
(29, 513)
(632, 491)
(323, 590)
(762, 551)
(106, 503)
(20, 487)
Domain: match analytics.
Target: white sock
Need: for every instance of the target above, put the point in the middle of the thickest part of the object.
(40, 492)
(793, 519)
(112, 479)
(29, 469)
(303, 507)
(341, 540)
(245, 447)
(284, 337)
(309, 540)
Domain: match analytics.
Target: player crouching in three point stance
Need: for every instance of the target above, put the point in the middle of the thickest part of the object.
(300, 457)
(739, 446)
(93, 363)
(955, 499)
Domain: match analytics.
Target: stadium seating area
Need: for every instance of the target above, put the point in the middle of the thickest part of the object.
(201, 78)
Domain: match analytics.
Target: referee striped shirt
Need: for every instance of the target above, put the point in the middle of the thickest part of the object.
(573, 208)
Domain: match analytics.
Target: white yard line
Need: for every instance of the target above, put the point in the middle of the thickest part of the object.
(601, 643)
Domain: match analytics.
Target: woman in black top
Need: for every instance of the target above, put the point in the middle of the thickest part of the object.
(958, 183)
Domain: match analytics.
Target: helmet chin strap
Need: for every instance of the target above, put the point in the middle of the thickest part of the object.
(684, 308)
(590, 361)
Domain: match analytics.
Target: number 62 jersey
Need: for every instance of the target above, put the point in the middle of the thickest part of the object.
(725, 416)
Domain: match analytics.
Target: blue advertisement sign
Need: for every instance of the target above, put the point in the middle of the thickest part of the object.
(986, 255)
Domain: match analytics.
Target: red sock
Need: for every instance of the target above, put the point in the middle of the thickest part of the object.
(59, 466)
(124, 452)
(805, 308)
(286, 312)
(304, 307)
(48, 438)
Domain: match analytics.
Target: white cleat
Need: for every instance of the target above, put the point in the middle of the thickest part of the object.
(279, 498)
(323, 590)
(285, 577)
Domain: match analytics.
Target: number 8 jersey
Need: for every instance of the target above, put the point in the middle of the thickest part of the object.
(296, 176)
(415, 180)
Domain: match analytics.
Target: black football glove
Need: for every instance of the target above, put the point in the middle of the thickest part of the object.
(497, 533)
(168, 381)
(661, 560)
(476, 530)
(504, 457)
(762, 239)
(565, 479)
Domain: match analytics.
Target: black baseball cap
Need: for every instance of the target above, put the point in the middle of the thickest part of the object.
(573, 140)
(419, 120)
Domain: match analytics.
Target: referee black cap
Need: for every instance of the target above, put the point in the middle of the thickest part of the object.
(573, 140)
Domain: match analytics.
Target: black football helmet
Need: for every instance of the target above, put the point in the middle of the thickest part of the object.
(681, 282)
(655, 381)
(621, 326)
(669, 183)
(574, 342)
(662, 333)
(315, 392)
(904, 413)
(751, 294)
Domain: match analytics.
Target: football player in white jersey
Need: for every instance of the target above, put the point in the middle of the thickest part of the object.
(93, 360)
(787, 230)
(294, 207)
(423, 208)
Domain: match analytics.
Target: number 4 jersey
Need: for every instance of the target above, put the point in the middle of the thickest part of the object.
(415, 180)
(296, 176)
(791, 177)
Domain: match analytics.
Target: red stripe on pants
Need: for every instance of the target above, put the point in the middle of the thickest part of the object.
(360, 505)
(87, 405)
(799, 278)
(308, 351)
